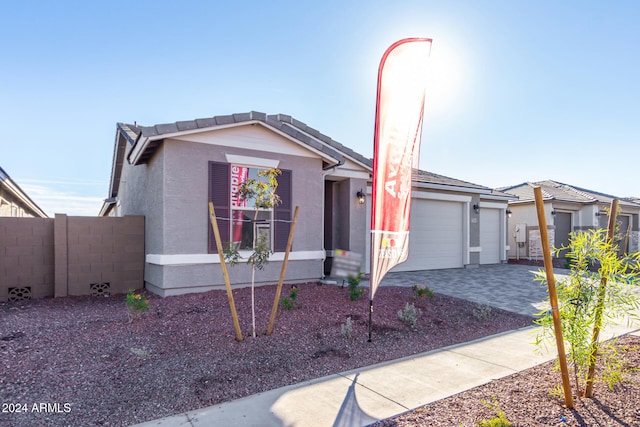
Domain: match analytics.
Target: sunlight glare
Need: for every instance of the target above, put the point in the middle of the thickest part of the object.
(447, 77)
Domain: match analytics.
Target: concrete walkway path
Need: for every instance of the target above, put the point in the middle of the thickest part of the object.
(362, 396)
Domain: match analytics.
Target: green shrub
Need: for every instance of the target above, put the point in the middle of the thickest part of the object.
(500, 420)
(422, 291)
(290, 302)
(354, 290)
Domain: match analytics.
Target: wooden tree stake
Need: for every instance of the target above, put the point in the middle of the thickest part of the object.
(274, 309)
(225, 273)
(597, 322)
(553, 297)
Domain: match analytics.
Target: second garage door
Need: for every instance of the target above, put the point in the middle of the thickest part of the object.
(490, 236)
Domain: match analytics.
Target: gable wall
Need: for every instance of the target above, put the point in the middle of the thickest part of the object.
(186, 190)
(141, 193)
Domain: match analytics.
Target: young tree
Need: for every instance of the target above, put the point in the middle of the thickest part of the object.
(593, 259)
(262, 192)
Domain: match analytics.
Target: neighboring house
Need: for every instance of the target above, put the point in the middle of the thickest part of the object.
(15, 202)
(169, 173)
(567, 208)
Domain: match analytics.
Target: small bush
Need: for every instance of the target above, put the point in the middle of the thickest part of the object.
(354, 282)
(422, 291)
(346, 329)
(136, 305)
(290, 302)
(481, 312)
(410, 315)
(500, 420)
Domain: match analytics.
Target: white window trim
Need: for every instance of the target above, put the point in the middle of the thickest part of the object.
(248, 161)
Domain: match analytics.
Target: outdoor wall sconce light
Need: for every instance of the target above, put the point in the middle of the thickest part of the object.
(553, 213)
(476, 208)
(509, 213)
(361, 197)
(598, 213)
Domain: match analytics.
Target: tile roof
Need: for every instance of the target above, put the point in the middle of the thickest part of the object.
(433, 178)
(553, 190)
(281, 122)
(152, 136)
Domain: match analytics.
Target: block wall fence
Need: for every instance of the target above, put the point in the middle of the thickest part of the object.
(70, 256)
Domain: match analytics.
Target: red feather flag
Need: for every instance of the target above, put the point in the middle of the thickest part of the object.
(398, 130)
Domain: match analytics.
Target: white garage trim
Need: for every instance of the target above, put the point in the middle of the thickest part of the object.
(492, 205)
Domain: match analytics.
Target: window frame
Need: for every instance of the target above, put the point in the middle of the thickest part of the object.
(257, 223)
(219, 193)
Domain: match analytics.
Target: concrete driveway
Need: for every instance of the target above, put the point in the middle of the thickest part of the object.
(507, 286)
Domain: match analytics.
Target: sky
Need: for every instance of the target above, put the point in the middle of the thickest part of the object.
(518, 90)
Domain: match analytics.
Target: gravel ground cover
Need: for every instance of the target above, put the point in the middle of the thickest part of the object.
(528, 400)
(76, 361)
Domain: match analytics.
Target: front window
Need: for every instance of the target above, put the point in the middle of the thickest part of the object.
(248, 224)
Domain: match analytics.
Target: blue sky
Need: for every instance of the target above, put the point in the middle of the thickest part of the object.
(519, 90)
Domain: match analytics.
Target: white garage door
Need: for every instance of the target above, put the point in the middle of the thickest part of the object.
(436, 239)
(436, 236)
(490, 236)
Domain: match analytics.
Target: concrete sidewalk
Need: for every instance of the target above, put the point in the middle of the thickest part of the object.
(363, 396)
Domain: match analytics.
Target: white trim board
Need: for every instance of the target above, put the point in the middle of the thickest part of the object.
(194, 259)
(251, 161)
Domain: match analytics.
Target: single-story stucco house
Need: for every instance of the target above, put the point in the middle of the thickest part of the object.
(169, 173)
(14, 201)
(567, 208)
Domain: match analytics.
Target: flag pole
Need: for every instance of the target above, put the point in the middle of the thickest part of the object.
(370, 315)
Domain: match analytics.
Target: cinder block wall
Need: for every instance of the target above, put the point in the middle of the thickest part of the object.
(105, 254)
(26, 257)
(71, 255)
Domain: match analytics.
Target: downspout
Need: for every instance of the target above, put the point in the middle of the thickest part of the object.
(326, 171)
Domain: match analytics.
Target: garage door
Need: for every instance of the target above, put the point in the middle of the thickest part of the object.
(490, 236)
(436, 239)
(436, 236)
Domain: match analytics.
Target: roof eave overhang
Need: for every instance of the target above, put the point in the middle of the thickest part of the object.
(445, 187)
(25, 200)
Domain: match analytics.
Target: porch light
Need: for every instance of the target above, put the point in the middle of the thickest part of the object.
(508, 212)
(553, 213)
(361, 197)
(598, 213)
(476, 208)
